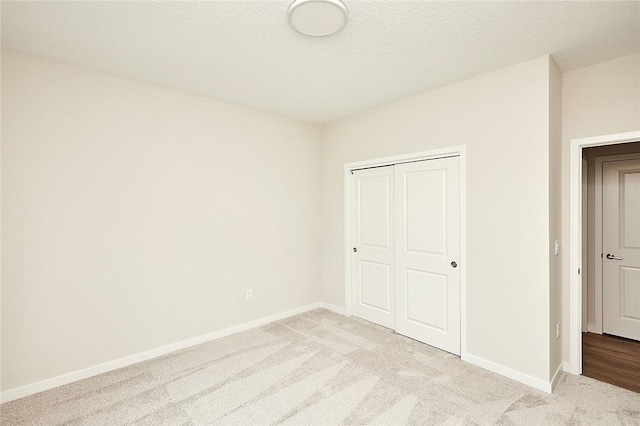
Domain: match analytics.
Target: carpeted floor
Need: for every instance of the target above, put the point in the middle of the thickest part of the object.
(324, 369)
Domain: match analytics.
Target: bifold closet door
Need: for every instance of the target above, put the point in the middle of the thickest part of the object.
(427, 250)
(372, 237)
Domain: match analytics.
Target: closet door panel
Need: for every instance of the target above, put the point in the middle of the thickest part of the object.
(427, 236)
(373, 245)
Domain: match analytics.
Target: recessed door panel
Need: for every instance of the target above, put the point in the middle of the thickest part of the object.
(630, 293)
(375, 204)
(630, 230)
(621, 248)
(375, 289)
(427, 299)
(426, 211)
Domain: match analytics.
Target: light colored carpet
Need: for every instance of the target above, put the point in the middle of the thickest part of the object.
(324, 369)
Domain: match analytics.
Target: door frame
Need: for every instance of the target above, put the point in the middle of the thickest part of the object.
(585, 247)
(575, 237)
(459, 151)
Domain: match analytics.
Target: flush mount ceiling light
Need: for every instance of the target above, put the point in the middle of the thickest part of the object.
(318, 17)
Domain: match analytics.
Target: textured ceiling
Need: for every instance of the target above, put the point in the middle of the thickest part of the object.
(245, 52)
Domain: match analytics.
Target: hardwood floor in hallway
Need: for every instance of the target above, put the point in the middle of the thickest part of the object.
(612, 360)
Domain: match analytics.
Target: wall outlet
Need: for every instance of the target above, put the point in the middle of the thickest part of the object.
(557, 330)
(249, 294)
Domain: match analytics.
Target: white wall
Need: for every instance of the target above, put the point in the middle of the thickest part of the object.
(503, 118)
(597, 100)
(136, 216)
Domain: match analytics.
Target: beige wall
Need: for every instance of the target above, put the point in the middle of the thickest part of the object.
(597, 100)
(555, 216)
(136, 216)
(503, 119)
(131, 212)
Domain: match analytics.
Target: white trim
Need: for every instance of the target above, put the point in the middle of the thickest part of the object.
(575, 237)
(591, 328)
(348, 304)
(459, 150)
(74, 376)
(333, 308)
(556, 376)
(416, 156)
(566, 367)
(463, 250)
(508, 372)
(597, 259)
(597, 255)
(585, 247)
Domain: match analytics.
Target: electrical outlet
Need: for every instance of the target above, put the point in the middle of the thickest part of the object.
(249, 294)
(557, 330)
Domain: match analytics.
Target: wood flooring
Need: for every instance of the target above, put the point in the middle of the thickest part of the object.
(612, 360)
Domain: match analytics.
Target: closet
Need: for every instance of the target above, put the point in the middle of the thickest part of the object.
(405, 235)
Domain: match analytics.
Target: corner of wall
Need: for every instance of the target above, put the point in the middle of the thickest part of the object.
(1, 369)
(144, 202)
(557, 248)
(599, 99)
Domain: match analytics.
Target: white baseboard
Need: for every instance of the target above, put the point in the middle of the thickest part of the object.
(333, 308)
(556, 376)
(74, 376)
(508, 372)
(594, 330)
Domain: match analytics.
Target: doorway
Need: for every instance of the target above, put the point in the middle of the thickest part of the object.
(405, 245)
(609, 271)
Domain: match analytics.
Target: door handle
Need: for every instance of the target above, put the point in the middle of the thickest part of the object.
(613, 257)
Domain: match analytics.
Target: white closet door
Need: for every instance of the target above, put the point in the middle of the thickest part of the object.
(427, 228)
(621, 248)
(372, 237)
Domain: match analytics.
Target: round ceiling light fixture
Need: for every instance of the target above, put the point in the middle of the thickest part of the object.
(318, 18)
